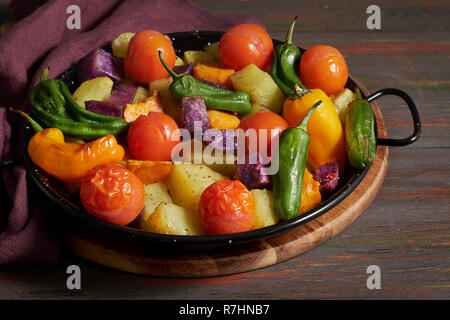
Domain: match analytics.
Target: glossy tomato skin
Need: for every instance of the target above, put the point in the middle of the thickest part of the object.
(245, 44)
(266, 120)
(323, 67)
(225, 207)
(152, 137)
(142, 61)
(112, 193)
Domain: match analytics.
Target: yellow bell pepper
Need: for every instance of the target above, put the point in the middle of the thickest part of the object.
(324, 127)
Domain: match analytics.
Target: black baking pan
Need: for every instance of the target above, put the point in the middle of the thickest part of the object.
(74, 214)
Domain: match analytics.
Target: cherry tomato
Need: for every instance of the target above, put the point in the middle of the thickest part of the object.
(273, 125)
(152, 137)
(112, 193)
(323, 67)
(142, 61)
(226, 206)
(245, 44)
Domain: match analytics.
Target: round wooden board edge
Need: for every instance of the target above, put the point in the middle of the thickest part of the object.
(262, 254)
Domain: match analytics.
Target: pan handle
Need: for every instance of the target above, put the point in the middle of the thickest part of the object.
(414, 113)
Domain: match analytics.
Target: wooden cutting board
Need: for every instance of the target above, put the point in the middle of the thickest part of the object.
(149, 261)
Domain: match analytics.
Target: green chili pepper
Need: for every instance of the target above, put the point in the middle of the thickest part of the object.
(288, 181)
(53, 106)
(47, 94)
(359, 133)
(215, 98)
(284, 64)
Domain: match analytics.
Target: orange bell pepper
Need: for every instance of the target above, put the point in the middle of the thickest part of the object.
(133, 111)
(324, 127)
(71, 161)
(311, 196)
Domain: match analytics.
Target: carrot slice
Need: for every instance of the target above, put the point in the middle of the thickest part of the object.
(214, 72)
(222, 120)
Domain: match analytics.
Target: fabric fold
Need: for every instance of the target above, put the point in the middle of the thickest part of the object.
(41, 39)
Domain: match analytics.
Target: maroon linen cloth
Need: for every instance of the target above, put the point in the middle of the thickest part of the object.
(41, 39)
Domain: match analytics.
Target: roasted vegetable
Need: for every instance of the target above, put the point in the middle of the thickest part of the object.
(149, 171)
(178, 61)
(184, 68)
(245, 44)
(324, 127)
(288, 181)
(222, 120)
(214, 72)
(328, 177)
(105, 108)
(100, 63)
(141, 62)
(226, 206)
(54, 107)
(97, 89)
(360, 141)
(153, 137)
(311, 196)
(186, 183)
(193, 115)
(214, 98)
(252, 172)
(112, 193)
(155, 194)
(120, 44)
(122, 94)
(69, 161)
(140, 95)
(213, 49)
(285, 64)
(194, 56)
(341, 102)
(168, 218)
(133, 111)
(260, 87)
(213, 84)
(323, 67)
(264, 214)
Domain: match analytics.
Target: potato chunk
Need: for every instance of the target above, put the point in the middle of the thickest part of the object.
(169, 218)
(95, 89)
(186, 183)
(140, 95)
(194, 56)
(260, 86)
(120, 44)
(155, 194)
(213, 49)
(341, 102)
(264, 214)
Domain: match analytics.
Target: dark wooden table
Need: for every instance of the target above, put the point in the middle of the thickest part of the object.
(405, 231)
